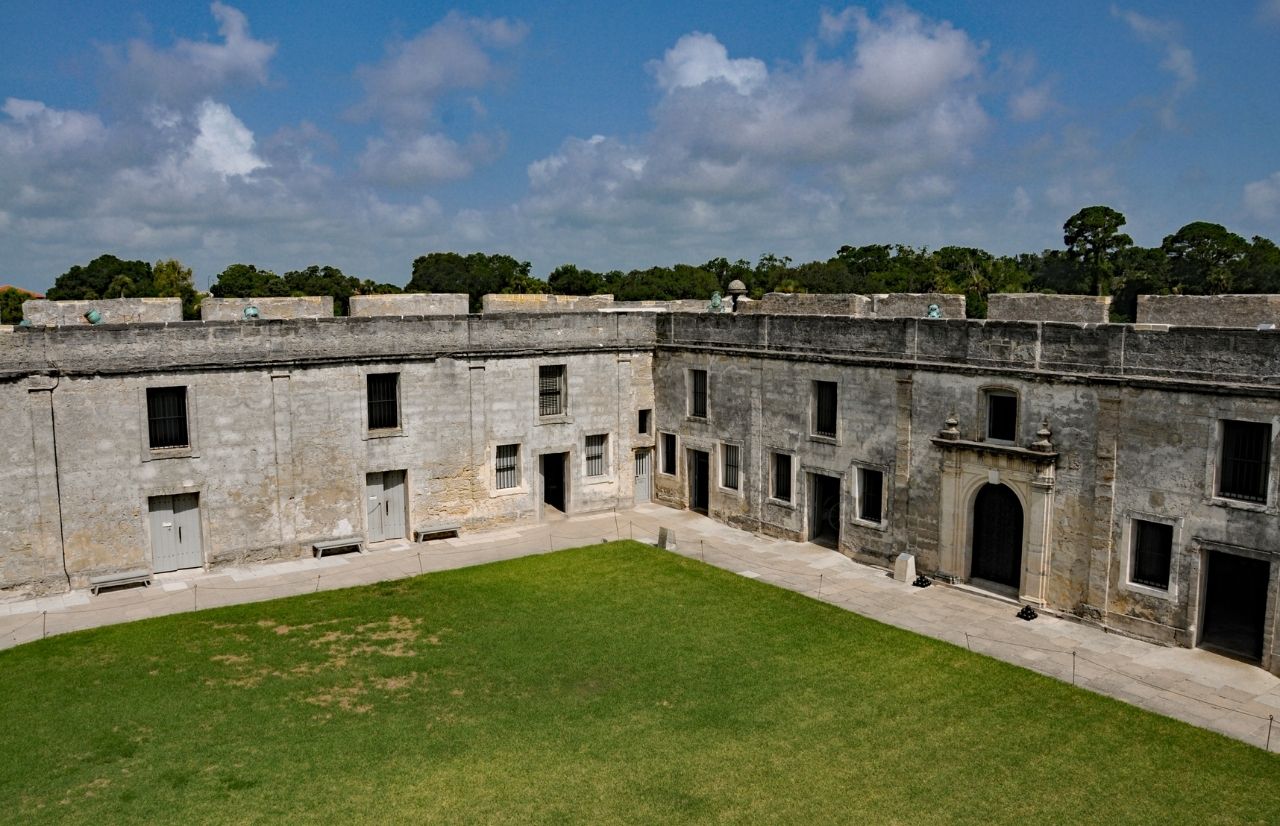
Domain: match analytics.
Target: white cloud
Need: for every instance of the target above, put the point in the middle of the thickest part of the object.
(37, 131)
(1178, 59)
(699, 58)
(406, 86)
(1262, 198)
(190, 70)
(1031, 102)
(749, 155)
(429, 157)
(223, 145)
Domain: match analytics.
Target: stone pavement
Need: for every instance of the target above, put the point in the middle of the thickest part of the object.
(1200, 688)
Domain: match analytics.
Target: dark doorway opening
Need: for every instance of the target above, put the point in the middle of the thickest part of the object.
(699, 481)
(1235, 605)
(824, 516)
(997, 536)
(553, 482)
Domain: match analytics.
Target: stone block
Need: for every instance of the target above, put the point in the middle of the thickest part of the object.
(1209, 310)
(402, 304)
(232, 309)
(44, 313)
(916, 305)
(1087, 309)
(904, 568)
(539, 303)
(843, 304)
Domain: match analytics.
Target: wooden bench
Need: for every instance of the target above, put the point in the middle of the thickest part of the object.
(330, 545)
(444, 531)
(137, 576)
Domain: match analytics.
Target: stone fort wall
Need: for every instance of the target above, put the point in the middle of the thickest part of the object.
(1115, 423)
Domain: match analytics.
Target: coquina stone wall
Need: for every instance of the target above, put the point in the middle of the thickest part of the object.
(410, 304)
(41, 312)
(1047, 307)
(274, 307)
(1209, 310)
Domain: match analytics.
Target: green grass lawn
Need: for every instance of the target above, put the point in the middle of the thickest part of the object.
(615, 683)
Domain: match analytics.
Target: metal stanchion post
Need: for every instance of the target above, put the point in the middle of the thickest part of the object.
(317, 584)
(1271, 718)
(966, 642)
(820, 586)
(1073, 667)
(195, 597)
(44, 624)
(419, 562)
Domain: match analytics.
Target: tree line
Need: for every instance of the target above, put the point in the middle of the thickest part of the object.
(1097, 258)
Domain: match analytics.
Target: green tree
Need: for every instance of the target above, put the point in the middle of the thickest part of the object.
(1093, 238)
(663, 284)
(11, 299)
(331, 281)
(476, 274)
(247, 281)
(104, 277)
(567, 279)
(1259, 270)
(1202, 258)
(525, 285)
(171, 279)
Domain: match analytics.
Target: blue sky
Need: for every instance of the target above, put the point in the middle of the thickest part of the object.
(616, 136)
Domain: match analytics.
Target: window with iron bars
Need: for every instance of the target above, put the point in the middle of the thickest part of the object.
(551, 390)
(698, 393)
(729, 473)
(506, 467)
(595, 453)
(384, 402)
(167, 417)
(824, 408)
(1246, 453)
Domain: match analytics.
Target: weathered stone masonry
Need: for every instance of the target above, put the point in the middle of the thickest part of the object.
(1116, 426)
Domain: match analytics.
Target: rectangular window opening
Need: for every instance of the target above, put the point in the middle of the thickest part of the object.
(698, 393)
(782, 477)
(167, 417)
(669, 454)
(1152, 553)
(824, 408)
(384, 400)
(729, 473)
(506, 467)
(596, 455)
(1246, 453)
(551, 390)
(643, 425)
(870, 495)
(1002, 417)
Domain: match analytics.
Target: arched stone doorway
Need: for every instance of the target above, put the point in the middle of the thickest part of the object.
(997, 536)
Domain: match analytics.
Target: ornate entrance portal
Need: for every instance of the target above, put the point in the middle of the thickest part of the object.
(997, 536)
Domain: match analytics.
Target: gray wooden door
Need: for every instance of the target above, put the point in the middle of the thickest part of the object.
(385, 505)
(644, 476)
(393, 504)
(175, 532)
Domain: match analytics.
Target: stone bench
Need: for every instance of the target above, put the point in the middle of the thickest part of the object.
(330, 545)
(447, 530)
(137, 576)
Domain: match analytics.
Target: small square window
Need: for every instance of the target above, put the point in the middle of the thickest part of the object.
(1002, 416)
(1245, 460)
(824, 408)
(551, 390)
(729, 471)
(668, 454)
(1152, 553)
(596, 454)
(506, 467)
(870, 495)
(383, 393)
(167, 417)
(782, 477)
(698, 394)
(643, 425)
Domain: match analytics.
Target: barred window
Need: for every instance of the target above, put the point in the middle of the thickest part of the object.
(167, 417)
(506, 467)
(595, 451)
(870, 494)
(698, 393)
(824, 408)
(1152, 553)
(669, 454)
(782, 477)
(551, 390)
(384, 402)
(729, 474)
(1246, 450)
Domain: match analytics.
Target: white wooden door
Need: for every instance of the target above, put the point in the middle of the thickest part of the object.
(373, 506)
(385, 505)
(393, 504)
(175, 532)
(644, 476)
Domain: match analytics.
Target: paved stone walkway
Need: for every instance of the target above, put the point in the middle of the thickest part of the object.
(1200, 688)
